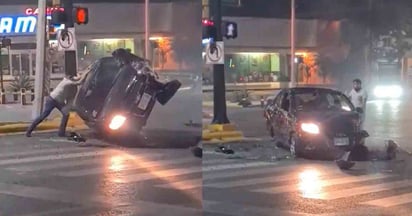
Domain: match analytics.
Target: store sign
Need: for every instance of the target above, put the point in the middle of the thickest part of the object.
(17, 25)
(24, 25)
(35, 11)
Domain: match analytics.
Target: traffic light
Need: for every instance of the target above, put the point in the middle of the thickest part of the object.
(230, 29)
(81, 15)
(209, 30)
(58, 17)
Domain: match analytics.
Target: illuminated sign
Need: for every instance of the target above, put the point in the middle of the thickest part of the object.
(20, 25)
(35, 11)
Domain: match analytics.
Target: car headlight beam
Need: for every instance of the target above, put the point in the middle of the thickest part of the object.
(394, 91)
(310, 128)
(117, 122)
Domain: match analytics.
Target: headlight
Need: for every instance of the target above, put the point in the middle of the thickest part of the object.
(394, 91)
(117, 122)
(310, 128)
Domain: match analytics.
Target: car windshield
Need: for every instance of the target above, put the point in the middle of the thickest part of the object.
(318, 100)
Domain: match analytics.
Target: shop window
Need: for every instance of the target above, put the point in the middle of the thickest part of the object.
(90, 51)
(252, 67)
(5, 64)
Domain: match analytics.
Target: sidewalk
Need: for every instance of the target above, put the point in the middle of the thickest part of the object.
(15, 118)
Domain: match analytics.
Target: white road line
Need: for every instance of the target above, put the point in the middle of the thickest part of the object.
(227, 208)
(195, 183)
(126, 166)
(54, 157)
(182, 171)
(391, 201)
(293, 175)
(365, 190)
(28, 152)
(67, 164)
(51, 195)
(183, 185)
(322, 183)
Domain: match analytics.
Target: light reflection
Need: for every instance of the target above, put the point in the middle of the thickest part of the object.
(310, 184)
(116, 163)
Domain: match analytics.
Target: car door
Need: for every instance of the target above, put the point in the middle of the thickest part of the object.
(277, 114)
(284, 116)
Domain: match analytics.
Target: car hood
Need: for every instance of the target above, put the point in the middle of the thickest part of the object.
(332, 122)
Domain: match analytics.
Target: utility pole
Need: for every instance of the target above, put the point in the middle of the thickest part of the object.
(219, 89)
(292, 44)
(70, 61)
(147, 28)
(40, 55)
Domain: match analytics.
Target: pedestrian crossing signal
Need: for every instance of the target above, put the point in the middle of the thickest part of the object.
(230, 30)
(81, 15)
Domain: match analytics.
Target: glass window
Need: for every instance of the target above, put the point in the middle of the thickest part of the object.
(315, 100)
(4, 63)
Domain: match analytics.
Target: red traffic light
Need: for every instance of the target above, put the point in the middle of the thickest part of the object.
(206, 22)
(81, 15)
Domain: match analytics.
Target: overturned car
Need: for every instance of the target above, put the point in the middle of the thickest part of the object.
(117, 99)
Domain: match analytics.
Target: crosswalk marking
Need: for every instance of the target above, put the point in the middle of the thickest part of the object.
(226, 208)
(365, 190)
(183, 185)
(51, 195)
(66, 164)
(183, 171)
(323, 183)
(40, 151)
(54, 157)
(391, 201)
(196, 183)
(129, 165)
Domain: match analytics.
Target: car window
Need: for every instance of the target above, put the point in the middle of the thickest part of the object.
(278, 100)
(321, 100)
(285, 102)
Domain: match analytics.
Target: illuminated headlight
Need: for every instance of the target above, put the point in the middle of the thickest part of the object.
(117, 122)
(310, 128)
(394, 91)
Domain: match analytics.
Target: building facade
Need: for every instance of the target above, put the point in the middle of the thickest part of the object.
(261, 53)
(175, 34)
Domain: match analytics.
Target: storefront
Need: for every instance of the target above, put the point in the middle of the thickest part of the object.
(111, 26)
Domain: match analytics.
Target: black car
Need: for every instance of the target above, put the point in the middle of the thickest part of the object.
(118, 101)
(313, 122)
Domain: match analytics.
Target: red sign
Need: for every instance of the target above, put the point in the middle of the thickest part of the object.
(35, 11)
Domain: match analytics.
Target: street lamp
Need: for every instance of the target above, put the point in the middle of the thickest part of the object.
(292, 44)
(147, 28)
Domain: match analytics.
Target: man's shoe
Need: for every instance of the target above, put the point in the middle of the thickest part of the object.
(28, 134)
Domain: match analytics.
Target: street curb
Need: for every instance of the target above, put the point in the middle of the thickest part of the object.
(244, 140)
(221, 133)
(75, 122)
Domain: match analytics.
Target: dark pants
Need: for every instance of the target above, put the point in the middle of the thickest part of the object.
(48, 108)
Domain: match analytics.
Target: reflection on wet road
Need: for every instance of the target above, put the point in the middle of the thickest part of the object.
(52, 176)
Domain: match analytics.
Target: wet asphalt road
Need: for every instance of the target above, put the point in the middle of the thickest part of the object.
(261, 180)
(46, 175)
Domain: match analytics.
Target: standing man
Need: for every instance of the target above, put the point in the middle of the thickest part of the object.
(60, 98)
(358, 97)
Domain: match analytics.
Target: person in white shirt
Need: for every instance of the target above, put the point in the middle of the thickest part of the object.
(60, 98)
(358, 97)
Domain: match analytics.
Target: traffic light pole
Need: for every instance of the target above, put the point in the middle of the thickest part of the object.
(40, 53)
(70, 63)
(219, 90)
